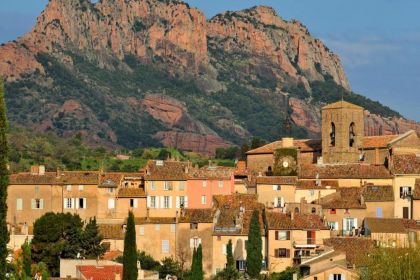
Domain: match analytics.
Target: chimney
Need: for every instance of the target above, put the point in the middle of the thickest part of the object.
(38, 170)
(287, 142)
(186, 169)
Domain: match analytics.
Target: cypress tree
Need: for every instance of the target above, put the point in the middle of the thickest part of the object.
(254, 247)
(229, 255)
(194, 263)
(197, 264)
(26, 258)
(4, 182)
(130, 271)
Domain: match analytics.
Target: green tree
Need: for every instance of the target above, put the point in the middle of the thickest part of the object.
(229, 254)
(169, 267)
(91, 241)
(26, 258)
(147, 262)
(256, 142)
(254, 247)
(230, 272)
(130, 271)
(4, 182)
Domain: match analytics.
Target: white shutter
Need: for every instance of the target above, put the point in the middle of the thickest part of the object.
(186, 202)
(170, 202)
(33, 203)
(224, 250)
(41, 203)
(19, 204)
(77, 204)
(142, 230)
(355, 222)
(84, 203)
(344, 224)
(65, 203)
(73, 204)
(177, 202)
(274, 187)
(162, 202)
(331, 277)
(191, 243)
(282, 202)
(148, 202)
(276, 201)
(343, 277)
(136, 203)
(111, 203)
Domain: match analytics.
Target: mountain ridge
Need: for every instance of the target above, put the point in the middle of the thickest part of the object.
(156, 72)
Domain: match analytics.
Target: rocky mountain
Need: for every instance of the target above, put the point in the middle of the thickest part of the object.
(155, 72)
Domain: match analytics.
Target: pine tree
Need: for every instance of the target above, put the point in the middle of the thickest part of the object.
(26, 258)
(4, 182)
(130, 271)
(254, 247)
(91, 242)
(229, 254)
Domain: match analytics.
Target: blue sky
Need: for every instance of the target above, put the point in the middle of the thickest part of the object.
(377, 40)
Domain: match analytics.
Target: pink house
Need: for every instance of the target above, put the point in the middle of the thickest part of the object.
(205, 182)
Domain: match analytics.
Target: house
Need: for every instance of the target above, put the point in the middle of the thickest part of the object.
(94, 272)
(379, 201)
(392, 232)
(355, 248)
(275, 191)
(416, 200)
(311, 190)
(232, 217)
(344, 210)
(70, 268)
(205, 182)
(293, 238)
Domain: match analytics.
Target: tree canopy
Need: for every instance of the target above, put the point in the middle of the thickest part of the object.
(130, 270)
(254, 247)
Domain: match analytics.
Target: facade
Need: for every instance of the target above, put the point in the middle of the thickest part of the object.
(275, 191)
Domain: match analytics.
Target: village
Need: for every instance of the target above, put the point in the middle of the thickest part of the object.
(321, 204)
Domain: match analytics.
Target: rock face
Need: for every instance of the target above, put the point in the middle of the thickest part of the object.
(133, 72)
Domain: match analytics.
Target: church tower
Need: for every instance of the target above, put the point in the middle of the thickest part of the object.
(342, 132)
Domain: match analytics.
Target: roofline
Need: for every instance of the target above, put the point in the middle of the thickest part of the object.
(401, 137)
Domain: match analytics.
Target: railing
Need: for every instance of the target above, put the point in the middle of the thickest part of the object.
(305, 242)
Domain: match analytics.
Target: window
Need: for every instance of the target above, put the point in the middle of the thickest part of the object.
(311, 237)
(165, 246)
(153, 185)
(81, 187)
(404, 192)
(111, 203)
(81, 203)
(166, 202)
(333, 211)
(133, 203)
(336, 277)
(19, 204)
(241, 265)
(195, 242)
(182, 185)
(203, 200)
(37, 203)
(352, 134)
(110, 190)
(68, 203)
(282, 253)
(276, 188)
(182, 201)
(141, 230)
(173, 227)
(311, 192)
(333, 225)
(405, 213)
(152, 203)
(68, 188)
(332, 135)
(204, 184)
(157, 227)
(282, 235)
(167, 186)
(36, 189)
(220, 184)
(378, 212)
(194, 226)
(313, 210)
(224, 249)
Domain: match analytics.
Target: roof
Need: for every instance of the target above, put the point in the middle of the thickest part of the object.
(131, 192)
(416, 191)
(241, 169)
(276, 180)
(154, 220)
(106, 272)
(196, 216)
(234, 212)
(111, 231)
(405, 164)
(56, 178)
(112, 255)
(344, 198)
(381, 141)
(342, 105)
(372, 193)
(311, 184)
(169, 170)
(390, 225)
(110, 180)
(212, 172)
(304, 145)
(282, 221)
(344, 171)
(354, 247)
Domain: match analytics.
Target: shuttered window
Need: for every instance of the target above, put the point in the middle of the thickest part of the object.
(19, 204)
(165, 246)
(282, 253)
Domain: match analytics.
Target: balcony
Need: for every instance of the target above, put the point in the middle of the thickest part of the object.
(306, 243)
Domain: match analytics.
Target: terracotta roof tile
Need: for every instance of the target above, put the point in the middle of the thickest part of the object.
(131, 192)
(106, 272)
(354, 247)
(111, 231)
(51, 178)
(211, 173)
(389, 225)
(276, 180)
(344, 171)
(112, 255)
(80, 177)
(372, 193)
(416, 192)
(196, 216)
(300, 221)
(405, 164)
(344, 198)
(110, 180)
(342, 104)
(169, 170)
(304, 145)
(154, 220)
(382, 141)
(241, 169)
(311, 184)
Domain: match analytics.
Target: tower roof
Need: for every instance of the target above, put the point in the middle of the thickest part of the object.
(341, 105)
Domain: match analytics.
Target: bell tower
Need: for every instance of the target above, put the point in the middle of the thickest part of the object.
(342, 132)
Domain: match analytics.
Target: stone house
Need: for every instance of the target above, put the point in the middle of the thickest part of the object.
(275, 191)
